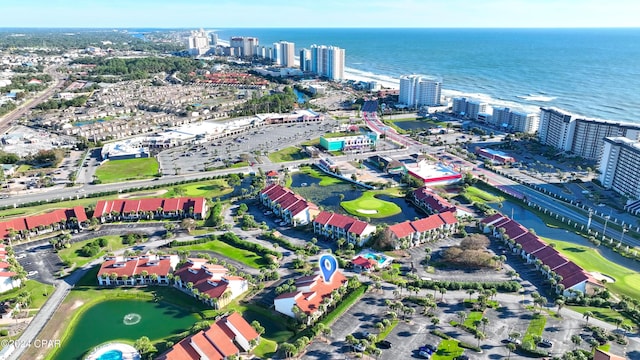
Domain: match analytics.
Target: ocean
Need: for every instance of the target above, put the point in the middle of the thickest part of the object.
(590, 72)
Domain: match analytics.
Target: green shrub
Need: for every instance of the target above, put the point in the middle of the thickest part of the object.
(4, 332)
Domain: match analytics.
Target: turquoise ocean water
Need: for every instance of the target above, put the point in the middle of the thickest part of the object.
(591, 72)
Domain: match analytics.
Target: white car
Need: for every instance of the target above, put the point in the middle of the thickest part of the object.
(21, 256)
(32, 273)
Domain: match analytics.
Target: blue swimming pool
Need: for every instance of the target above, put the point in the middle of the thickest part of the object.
(111, 355)
(379, 258)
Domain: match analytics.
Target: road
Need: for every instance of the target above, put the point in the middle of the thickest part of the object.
(6, 122)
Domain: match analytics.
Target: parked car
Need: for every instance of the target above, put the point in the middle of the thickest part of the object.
(424, 354)
(361, 334)
(359, 347)
(514, 341)
(384, 344)
(546, 343)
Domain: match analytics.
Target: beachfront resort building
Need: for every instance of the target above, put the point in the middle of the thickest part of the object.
(515, 121)
(225, 338)
(327, 61)
(244, 46)
(136, 270)
(569, 277)
(336, 226)
(413, 233)
(284, 54)
(213, 284)
(198, 42)
(469, 108)
(311, 298)
(619, 166)
(151, 208)
(417, 91)
(287, 205)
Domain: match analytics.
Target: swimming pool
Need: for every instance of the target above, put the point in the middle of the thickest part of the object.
(111, 355)
(379, 258)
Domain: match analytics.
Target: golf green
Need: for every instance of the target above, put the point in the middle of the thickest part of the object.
(369, 205)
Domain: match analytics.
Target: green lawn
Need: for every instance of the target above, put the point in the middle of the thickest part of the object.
(536, 327)
(383, 335)
(246, 257)
(38, 291)
(207, 189)
(72, 254)
(275, 328)
(477, 195)
(266, 349)
(604, 314)
(627, 281)
(448, 349)
(325, 180)
(368, 205)
(472, 318)
(290, 153)
(125, 170)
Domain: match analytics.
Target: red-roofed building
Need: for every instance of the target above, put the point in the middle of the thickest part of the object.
(336, 226)
(571, 278)
(136, 270)
(152, 208)
(228, 336)
(8, 279)
(312, 297)
(413, 233)
(210, 279)
(287, 205)
(362, 264)
(426, 199)
(604, 355)
(72, 218)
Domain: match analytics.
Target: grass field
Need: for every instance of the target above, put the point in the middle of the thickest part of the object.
(290, 153)
(207, 189)
(604, 314)
(447, 350)
(536, 327)
(72, 254)
(627, 281)
(125, 170)
(38, 291)
(275, 328)
(246, 257)
(325, 180)
(477, 195)
(472, 318)
(372, 206)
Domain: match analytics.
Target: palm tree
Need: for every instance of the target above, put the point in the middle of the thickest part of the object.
(576, 340)
(511, 347)
(484, 321)
(379, 326)
(480, 336)
(442, 291)
(471, 292)
(587, 315)
(559, 304)
(435, 321)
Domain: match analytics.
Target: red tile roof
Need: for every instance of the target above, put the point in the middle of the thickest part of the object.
(215, 343)
(492, 218)
(427, 224)
(310, 301)
(171, 205)
(347, 223)
(530, 243)
(44, 220)
(554, 261)
(568, 269)
(402, 229)
(448, 217)
(207, 278)
(544, 253)
(363, 262)
(433, 200)
(135, 265)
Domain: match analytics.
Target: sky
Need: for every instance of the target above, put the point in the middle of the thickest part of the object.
(319, 13)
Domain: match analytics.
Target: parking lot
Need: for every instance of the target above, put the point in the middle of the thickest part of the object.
(250, 146)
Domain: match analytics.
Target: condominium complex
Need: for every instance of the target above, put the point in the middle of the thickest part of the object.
(469, 108)
(284, 54)
(327, 61)
(198, 42)
(556, 128)
(619, 166)
(244, 46)
(515, 121)
(416, 91)
(582, 137)
(305, 60)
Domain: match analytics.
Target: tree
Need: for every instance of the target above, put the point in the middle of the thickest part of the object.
(576, 340)
(435, 321)
(145, 347)
(559, 304)
(480, 336)
(255, 324)
(511, 347)
(587, 315)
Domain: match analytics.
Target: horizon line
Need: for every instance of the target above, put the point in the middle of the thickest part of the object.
(328, 27)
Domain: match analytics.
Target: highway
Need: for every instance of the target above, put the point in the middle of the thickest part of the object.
(6, 122)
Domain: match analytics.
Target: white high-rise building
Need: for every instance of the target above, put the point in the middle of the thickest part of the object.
(284, 54)
(305, 60)
(328, 61)
(619, 166)
(416, 91)
(475, 107)
(556, 128)
(244, 46)
(198, 42)
(515, 121)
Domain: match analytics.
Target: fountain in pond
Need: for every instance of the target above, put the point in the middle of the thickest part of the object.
(131, 319)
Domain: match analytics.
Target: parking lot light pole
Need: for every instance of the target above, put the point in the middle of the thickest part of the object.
(589, 222)
(604, 232)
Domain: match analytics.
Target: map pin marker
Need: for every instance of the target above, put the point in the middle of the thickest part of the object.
(328, 266)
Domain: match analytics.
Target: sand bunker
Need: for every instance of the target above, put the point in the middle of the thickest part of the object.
(365, 211)
(142, 194)
(598, 276)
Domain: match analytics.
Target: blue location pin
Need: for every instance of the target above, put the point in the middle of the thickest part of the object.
(328, 266)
